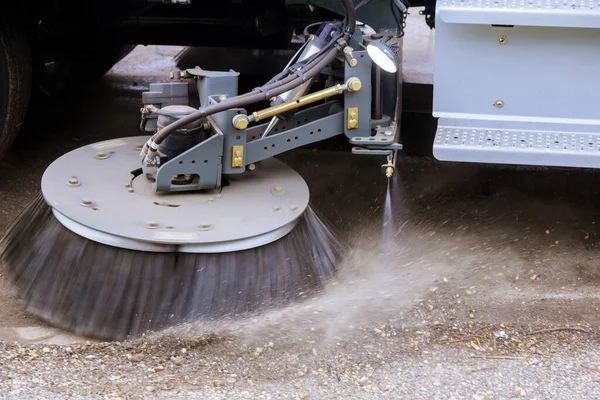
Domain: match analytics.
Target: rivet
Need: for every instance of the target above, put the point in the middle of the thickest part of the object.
(502, 40)
(293, 208)
(499, 104)
(151, 225)
(86, 202)
(276, 208)
(73, 181)
(101, 155)
(251, 167)
(206, 227)
(277, 190)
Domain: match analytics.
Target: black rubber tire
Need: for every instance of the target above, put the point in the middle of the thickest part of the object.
(15, 79)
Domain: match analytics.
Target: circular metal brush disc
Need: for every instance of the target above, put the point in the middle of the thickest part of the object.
(93, 193)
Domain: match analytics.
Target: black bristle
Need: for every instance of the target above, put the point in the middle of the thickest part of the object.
(111, 293)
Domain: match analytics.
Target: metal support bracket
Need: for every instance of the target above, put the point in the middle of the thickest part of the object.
(232, 138)
(315, 131)
(212, 82)
(357, 115)
(201, 164)
(384, 139)
(371, 152)
(301, 117)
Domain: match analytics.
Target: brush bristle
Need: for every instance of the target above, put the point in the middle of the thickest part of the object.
(111, 293)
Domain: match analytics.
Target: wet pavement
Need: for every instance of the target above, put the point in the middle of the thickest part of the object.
(470, 250)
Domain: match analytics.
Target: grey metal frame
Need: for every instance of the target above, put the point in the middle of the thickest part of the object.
(202, 162)
(362, 98)
(211, 159)
(517, 82)
(320, 129)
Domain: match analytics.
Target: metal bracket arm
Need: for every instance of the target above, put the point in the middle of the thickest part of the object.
(202, 162)
(321, 129)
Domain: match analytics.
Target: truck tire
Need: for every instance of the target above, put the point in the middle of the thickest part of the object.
(15, 79)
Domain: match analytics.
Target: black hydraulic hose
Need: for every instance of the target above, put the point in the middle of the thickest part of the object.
(307, 64)
(289, 73)
(286, 79)
(301, 64)
(250, 98)
(350, 17)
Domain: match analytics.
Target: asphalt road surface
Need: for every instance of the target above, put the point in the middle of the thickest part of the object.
(482, 284)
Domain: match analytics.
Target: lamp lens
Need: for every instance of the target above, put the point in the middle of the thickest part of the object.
(381, 59)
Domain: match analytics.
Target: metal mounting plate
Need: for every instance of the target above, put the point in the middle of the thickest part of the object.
(107, 205)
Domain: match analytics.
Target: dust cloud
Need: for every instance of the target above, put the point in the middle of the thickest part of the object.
(392, 266)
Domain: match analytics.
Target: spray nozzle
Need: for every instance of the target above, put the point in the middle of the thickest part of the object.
(389, 168)
(389, 171)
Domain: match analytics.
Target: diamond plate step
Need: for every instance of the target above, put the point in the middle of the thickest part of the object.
(560, 149)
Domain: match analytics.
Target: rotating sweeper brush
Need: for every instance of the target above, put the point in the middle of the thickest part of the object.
(198, 219)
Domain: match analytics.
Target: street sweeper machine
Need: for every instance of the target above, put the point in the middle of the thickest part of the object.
(197, 218)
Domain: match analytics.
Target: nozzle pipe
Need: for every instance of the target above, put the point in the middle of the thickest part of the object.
(390, 166)
(389, 171)
(270, 127)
